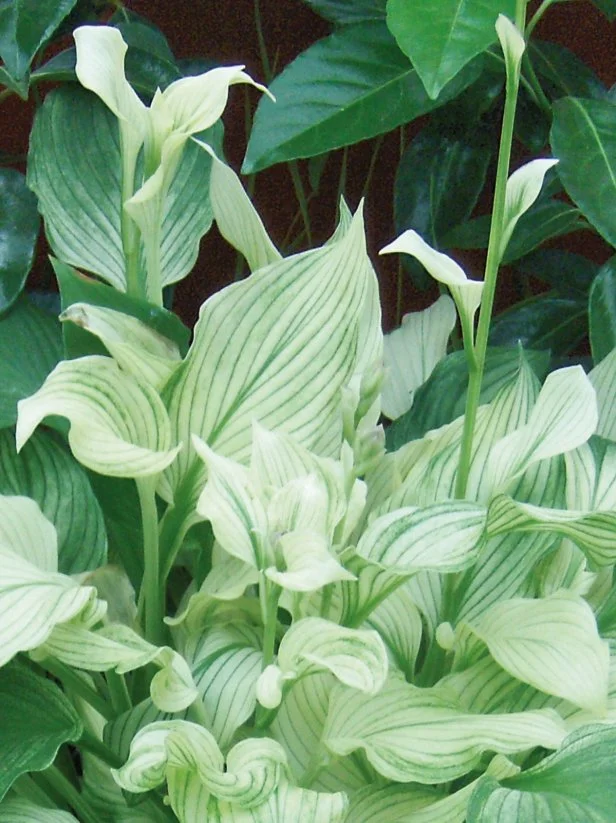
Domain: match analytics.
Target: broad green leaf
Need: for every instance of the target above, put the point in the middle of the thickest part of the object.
(441, 36)
(355, 657)
(549, 219)
(343, 12)
(551, 644)
(444, 537)
(608, 7)
(36, 719)
(18, 810)
(411, 734)
(442, 398)
(583, 140)
(564, 416)
(78, 288)
(19, 228)
(135, 347)
(602, 312)
(411, 352)
(82, 205)
(575, 783)
(350, 86)
(592, 531)
(46, 472)
(31, 343)
(25, 26)
(118, 427)
(566, 75)
(285, 367)
(568, 274)
(33, 595)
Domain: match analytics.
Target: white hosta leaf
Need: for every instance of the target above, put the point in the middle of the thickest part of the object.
(411, 734)
(308, 561)
(523, 188)
(136, 347)
(443, 537)
(231, 503)
(189, 757)
(237, 219)
(564, 417)
(118, 427)
(398, 621)
(512, 42)
(285, 365)
(552, 644)
(603, 378)
(591, 476)
(465, 292)
(357, 658)
(593, 532)
(411, 352)
(20, 810)
(289, 802)
(33, 596)
(120, 648)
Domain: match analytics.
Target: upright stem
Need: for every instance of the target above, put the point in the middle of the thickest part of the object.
(74, 683)
(476, 363)
(301, 198)
(59, 783)
(129, 229)
(153, 594)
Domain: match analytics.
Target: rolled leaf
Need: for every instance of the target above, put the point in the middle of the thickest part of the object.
(523, 188)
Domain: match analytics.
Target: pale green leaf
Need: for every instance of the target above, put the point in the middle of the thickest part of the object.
(136, 347)
(603, 379)
(523, 188)
(398, 621)
(411, 734)
(19, 810)
(552, 644)
(118, 427)
(289, 802)
(308, 562)
(411, 352)
(512, 43)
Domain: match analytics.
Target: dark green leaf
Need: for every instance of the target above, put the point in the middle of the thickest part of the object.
(569, 274)
(25, 25)
(608, 7)
(19, 87)
(574, 785)
(546, 321)
(19, 227)
(474, 234)
(441, 36)
(532, 124)
(443, 396)
(348, 87)
(602, 311)
(77, 288)
(349, 11)
(36, 719)
(584, 140)
(31, 345)
(45, 471)
(565, 74)
(544, 220)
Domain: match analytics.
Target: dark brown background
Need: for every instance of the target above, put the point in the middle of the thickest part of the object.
(226, 32)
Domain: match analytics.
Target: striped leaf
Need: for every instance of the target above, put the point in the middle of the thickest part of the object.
(118, 427)
(46, 472)
(276, 347)
(288, 802)
(398, 621)
(357, 658)
(19, 810)
(552, 644)
(411, 352)
(33, 596)
(411, 734)
(593, 532)
(443, 537)
(603, 379)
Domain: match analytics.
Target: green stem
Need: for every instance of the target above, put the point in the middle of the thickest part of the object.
(59, 783)
(29, 789)
(153, 591)
(375, 153)
(268, 598)
(301, 198)
(88, 742)
(128, 228)
(72, 682)
(476, 364)
(265, 61)
(118, 692)
(545, 5)
(533, 80)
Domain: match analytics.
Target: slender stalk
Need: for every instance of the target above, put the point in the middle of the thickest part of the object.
(90, 743)
(59, 783)
(128, 228)
(153, 592)
(118, 692)
(476, 364)
(29, 789)
(375, 153)
(72, 682)
(545, 5)
(343, 175)
(301, 198)
(265, 61)
(268, 598)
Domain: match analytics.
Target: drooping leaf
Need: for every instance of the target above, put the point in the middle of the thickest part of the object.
(19, 810)
(441, 36)
(343, 12)
(575, 783)
(602, 312)
(31, 342)
(19, 227)
(46, 472)
(348, 87)
(583, 140)
(36, 719)
(25, 26)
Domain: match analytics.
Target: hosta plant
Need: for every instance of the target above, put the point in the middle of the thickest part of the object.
(221, 597)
